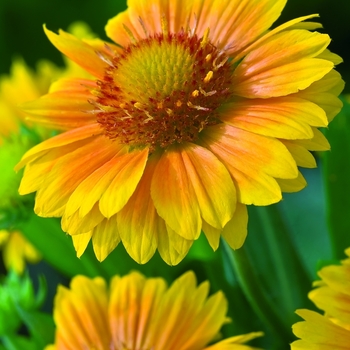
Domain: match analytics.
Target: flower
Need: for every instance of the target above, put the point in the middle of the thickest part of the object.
(332, 295)
(197, 111)
(17, 250)
(140, 313)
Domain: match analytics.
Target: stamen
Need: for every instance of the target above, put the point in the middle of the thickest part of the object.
(165, 26)
(205, 38)
(208, 76)
(217, 66)
(210, 93)
(195, 93)
(143, 25)
(199, 108)
(130, 34)
(104, 58)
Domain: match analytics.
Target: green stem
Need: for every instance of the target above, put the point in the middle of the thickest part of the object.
(252, 288)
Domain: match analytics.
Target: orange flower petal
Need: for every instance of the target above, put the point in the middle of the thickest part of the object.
(267, 71)
(64, 109)
(140, 13)
(282, 117)
(292, 24)
(212, 184)
(173, 194)
(85, 304)
(252, 161)
(68, 173)
(91, 189)
(78, 51)
(234, 24)
(105, 237)
(63, 139)
(128, 170)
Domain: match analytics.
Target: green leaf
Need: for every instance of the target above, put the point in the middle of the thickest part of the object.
(41, 327)
(336, 178)
(15, 342)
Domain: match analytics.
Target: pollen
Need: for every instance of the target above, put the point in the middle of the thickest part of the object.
(162, 90)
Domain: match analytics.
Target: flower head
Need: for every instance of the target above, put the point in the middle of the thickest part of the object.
(332, 295)
(140, 313)
(198, 111)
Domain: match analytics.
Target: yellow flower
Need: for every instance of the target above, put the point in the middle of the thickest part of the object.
(17, 250)
(141, 313)
(330, 331)
(198, 111)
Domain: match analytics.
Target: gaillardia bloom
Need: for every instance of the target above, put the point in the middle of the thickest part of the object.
(198, 111)
(330, 331)
(142, 314)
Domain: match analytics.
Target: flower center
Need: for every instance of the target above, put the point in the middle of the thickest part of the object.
(162, 90)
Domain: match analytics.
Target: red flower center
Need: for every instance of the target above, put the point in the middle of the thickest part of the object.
(162, 90)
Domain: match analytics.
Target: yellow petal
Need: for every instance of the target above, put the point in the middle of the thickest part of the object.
(235, 231)
(292, 185)
(318, 329)
(171, 246)
(213, 235)
(80, 242)
(105, 237)
(78, 51)
(302, 156)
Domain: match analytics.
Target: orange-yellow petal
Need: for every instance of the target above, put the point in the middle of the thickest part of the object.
(173, 194)
(68, 173)
(138, 222)
(63, 139)
(252, 160)
(64, 109)
(282, 66)
(128, 170)
(282, 117)
(80, 242)
(234, 24)
(105, 237)
(78, 51)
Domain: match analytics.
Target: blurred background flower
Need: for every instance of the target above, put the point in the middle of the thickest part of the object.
(332, 295)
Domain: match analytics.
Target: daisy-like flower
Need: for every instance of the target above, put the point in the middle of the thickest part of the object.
(197, 111)
(330, 331)
(141, 313)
